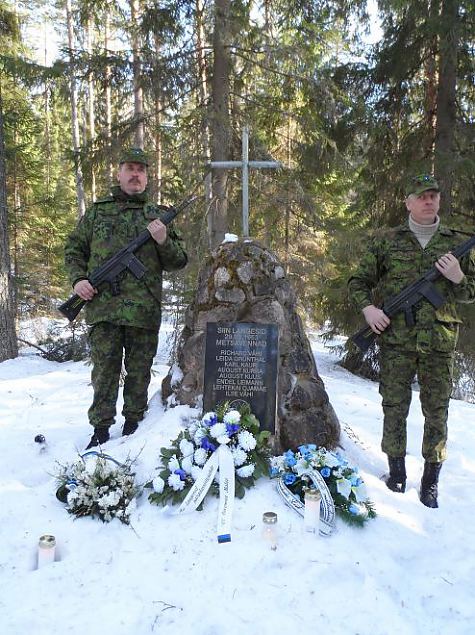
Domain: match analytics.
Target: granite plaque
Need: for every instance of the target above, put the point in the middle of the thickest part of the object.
(241, 365)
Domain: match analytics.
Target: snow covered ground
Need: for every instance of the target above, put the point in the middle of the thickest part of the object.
(410, 571)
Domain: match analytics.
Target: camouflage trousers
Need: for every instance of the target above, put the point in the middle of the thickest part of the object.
(434, 374)
(109, 343)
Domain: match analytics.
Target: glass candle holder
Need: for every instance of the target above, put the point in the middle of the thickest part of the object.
(46, 550)
(311, 517)
(269, 529)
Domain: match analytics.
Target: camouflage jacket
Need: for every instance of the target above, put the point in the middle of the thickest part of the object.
(108, 225)
(394, 260)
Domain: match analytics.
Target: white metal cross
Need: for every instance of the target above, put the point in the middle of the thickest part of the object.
(245, 164)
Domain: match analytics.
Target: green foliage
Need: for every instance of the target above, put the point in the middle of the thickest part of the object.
(348, 123)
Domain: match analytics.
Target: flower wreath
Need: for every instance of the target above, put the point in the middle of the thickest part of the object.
(99, 486)
(342, 479)
(183, 461)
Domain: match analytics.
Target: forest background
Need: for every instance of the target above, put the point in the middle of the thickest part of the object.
(348, 120)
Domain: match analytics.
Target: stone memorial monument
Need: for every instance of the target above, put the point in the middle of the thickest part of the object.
(243, 282)
(242, 287)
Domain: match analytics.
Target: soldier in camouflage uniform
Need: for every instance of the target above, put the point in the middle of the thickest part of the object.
(395, 258)
(125, 319)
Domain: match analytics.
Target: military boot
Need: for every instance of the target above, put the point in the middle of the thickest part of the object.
(396, 480)
(129, 427)
(100, 436)
(430, 479)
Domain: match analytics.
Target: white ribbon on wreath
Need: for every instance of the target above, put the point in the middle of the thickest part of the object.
(221, 459)
(327, 506)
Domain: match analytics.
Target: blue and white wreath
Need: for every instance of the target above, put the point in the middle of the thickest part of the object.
(183, 462)
(295, 470)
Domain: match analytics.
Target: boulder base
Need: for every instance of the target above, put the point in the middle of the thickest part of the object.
(245, 282)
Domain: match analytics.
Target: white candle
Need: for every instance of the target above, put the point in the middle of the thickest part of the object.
(311, 517)
(269, 529)
(46, 550)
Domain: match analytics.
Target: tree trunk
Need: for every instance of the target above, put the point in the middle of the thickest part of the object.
(445, 150)
(220, 121)
(74, 115)
(137, 71)
(91, 114)
(204, 103)
(8, 341)
(108, 98)
(430, 67)
(158, 130)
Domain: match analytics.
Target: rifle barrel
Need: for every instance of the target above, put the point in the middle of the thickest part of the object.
(407, 297)
(74, 304)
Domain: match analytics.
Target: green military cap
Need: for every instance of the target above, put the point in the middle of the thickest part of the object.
(421, 183)
(134, 155)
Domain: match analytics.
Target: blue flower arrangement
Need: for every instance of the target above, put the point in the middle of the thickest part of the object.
(183, 461)
(342, 479)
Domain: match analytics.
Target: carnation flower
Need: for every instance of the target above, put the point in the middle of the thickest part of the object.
(239, 456)
(175, 482)
(218, 430)
(158, 484)
(246, 440)
(210, 418)
(196, 472)
(246, 470)
(192, 428)
(173, 464)
(181, 473)
(232, 417)
(200, 456)
(199, 435)
(186, 447)
(187, 464)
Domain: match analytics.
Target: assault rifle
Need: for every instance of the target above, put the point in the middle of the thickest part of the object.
(406, 299)
(119, 262)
